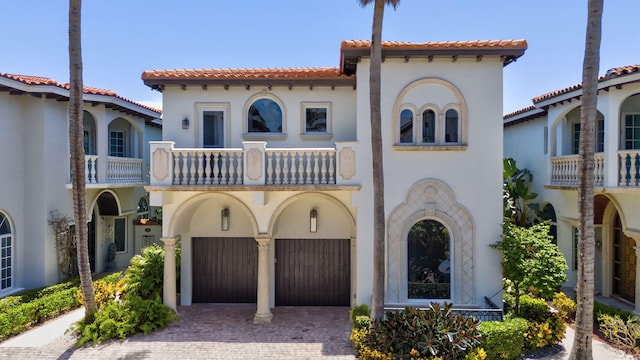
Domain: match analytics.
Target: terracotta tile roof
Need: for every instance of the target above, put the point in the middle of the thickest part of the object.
(38, 80)
(520, 111)
(239, 74)
(474, 44)
(611, 74)
(30, 80)
(522, 115)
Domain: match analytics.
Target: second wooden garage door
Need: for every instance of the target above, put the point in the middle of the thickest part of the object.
(225, 270)
(313, 272)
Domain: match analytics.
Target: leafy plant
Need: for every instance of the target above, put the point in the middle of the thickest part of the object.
(358, 310)
(545, 326)
(624, 334)
(145, 274)
(503, 339)
(531, 260)
(565, 306)
(413, 333)
(517, 194)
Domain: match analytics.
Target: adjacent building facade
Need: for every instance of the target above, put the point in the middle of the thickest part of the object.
(34, 151)
(265, 180)
(544, 138)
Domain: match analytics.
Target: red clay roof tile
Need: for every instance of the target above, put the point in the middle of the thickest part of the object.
(474, 44)
(240, 74)
(30, 80)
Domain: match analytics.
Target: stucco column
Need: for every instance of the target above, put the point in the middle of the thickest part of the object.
(263, 313)
(169, 295)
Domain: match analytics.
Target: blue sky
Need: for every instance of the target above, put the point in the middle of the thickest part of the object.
(121, 38)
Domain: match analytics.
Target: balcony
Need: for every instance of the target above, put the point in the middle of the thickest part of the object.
(252, 167)
(115, 170)
(564, 170)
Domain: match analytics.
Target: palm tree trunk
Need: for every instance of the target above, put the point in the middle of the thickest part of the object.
(377, 300)
(586, 245)
(77, 158)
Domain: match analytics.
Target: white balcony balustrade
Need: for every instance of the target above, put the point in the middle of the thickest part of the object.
(564, 170)
(252, 165)
(629, 165)
(118, 170)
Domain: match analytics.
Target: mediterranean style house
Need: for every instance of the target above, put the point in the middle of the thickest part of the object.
(34, 152)
(264, 177)
(544, 139)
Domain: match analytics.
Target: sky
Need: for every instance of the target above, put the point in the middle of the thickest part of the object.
(122, 38)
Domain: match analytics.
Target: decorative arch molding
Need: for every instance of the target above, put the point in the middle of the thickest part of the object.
(245, 111)
(431, 199)
(197, 200)
(285, 204)
(400, 104)
(127, 119)
(94, 202)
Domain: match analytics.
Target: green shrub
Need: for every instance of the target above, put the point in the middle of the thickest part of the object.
(624, 334)
(546, 327)
(503, 340)
(362, 321)
(145, 274)
(565, 306)
(476, 354)
(533, 309)
(435, 332)
(602, 309)
(358, 310)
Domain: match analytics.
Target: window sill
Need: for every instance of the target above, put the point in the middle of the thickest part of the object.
(439, 147)
(318, 136)
(264, 136)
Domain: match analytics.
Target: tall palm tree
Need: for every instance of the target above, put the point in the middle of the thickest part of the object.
(377, 301)
(77, 158)
(586, 245)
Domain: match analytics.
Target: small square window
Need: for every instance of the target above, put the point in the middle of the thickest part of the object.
(315, 120)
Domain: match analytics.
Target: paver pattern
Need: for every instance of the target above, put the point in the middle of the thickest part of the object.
(219, 331)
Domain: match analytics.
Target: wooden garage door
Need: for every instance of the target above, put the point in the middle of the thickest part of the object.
(225, 270)
(313, 272)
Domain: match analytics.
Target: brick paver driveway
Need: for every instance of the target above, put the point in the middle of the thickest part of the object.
(215, 331)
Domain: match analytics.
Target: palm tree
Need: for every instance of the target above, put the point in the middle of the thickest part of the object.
(586, 244)
(377, 301)
(77, 158)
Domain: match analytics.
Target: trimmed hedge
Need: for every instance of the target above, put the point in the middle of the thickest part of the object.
(20, 312)
(503, 340)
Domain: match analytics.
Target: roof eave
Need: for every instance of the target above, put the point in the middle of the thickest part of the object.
(156, 83)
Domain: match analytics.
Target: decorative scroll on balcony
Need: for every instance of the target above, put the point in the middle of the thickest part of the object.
(124, 170)
(91, 168)
(300, 166)
(629, 165)
(564, 170)
(207, 166)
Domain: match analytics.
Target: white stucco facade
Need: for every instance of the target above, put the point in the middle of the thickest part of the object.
(36, 181)
(543, 139)
(451, 178)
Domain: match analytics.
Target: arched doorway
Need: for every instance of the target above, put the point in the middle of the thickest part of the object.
(429, 261)
(624, 263)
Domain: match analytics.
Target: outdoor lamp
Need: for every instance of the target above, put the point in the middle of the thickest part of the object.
(313, 221)
(185, 123)
(224, 225)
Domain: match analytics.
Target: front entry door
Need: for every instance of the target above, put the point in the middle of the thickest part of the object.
(91, 238)
(624, 264)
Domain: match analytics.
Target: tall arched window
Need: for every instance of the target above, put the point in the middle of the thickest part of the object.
(429, 261)
(428, 126)
(6, 253)
(406, 126)
(451, 126)
(264, 115)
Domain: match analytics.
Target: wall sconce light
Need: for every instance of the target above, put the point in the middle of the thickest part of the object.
(313, 221)
(224, 224)
(598, 243)
(185, 123)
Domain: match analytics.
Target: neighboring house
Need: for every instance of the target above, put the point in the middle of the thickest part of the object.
(264, 176)
(544, 138)
(34, 152)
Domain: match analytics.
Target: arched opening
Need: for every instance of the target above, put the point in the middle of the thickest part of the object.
(6, 253)
(428, 261)
(624, 263)
(264, 115)
(89, 133)
(549, 214)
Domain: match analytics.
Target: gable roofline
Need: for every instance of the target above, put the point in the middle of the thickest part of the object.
(17, 84)
(350, 53)
(310, 76)
(617, 76)
(524, 114)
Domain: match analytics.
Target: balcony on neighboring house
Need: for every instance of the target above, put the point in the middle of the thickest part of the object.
(119, 170)
(252, 167)
(564, 170)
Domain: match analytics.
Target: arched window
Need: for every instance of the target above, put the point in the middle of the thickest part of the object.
(429, 261)
(428, 126)
(264, 115)
(6, 253)
(451, 126)
(549, 213)
(406, 126)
